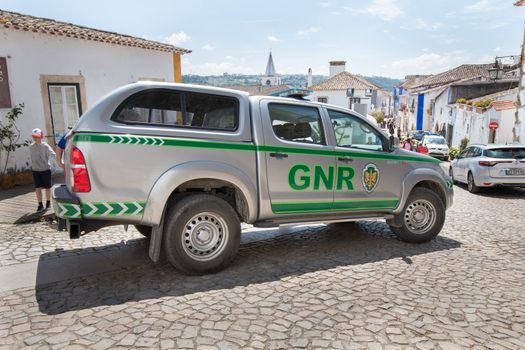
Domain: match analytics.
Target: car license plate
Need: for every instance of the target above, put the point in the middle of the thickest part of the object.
(515, 171)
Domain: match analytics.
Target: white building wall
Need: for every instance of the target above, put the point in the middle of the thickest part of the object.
(104, 67)
(339, 98)
(442, 112)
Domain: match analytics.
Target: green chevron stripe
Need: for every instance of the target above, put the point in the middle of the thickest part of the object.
(90, 209)
(113, 208)
(240, 146)
(68, 210)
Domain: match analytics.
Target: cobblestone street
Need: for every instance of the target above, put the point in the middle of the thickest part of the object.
(344, 286)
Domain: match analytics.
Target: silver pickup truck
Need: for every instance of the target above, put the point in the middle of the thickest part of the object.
(187, 164)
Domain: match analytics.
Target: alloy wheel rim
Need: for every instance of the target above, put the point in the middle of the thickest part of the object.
(470, 182)
(420, 216)
(205, 236)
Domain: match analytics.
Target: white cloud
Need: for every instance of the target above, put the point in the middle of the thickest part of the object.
(497, 49)
(235, 59)
(306, 32)
(430, 62)
(177, 38)
(421, 24)
(386, 10)
(217, 68)
(208, 47)
(325, 4)
(481, 6)
(272, 38)
(496, 25)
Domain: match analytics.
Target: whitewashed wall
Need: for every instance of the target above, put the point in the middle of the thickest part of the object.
(474, 124)
(339, 98)
(104, 67)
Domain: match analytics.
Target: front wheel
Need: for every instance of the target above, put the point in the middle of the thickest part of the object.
(423, 217)
(201, 234)
(451, 174)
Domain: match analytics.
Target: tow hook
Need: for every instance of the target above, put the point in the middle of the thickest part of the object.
(74, 229)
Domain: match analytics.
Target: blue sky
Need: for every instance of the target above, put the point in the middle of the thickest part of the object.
(376, 37)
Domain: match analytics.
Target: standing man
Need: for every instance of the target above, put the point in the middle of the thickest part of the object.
(40, 153)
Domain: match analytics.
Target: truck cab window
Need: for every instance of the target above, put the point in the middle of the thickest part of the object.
(296, 123)
(353, 132)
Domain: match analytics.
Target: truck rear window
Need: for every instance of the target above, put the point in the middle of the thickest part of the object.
(505, 153)
(180, 109)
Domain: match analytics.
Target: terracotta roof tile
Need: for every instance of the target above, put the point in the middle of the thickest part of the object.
(503, 105)
(23, 22)
(343, 81)
(465, 71)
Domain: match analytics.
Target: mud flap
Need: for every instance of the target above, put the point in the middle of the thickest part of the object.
(155, 241)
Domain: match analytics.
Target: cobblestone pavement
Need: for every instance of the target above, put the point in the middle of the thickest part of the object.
(346, 286)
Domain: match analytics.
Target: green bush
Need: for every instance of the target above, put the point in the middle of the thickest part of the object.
(483, 103)
(453, 152)
(463, 144)
(379, 116)
(469, 103)
(461, 100)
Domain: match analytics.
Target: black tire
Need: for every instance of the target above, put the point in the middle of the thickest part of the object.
(421, 200)
(206, 215)
(445, 158)
(471, 185)
(144, 230)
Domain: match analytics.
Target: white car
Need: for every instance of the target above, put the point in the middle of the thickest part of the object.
(489, 165)
(437, 146)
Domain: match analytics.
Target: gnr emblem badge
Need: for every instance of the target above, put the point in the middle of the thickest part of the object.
(370, 177)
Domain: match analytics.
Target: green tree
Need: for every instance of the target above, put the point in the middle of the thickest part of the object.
(10, 135)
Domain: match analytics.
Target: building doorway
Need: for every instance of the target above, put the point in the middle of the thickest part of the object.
(64, 100)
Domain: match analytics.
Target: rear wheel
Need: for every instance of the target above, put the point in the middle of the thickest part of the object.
(201, 234)
(423, 217)
(471, 185)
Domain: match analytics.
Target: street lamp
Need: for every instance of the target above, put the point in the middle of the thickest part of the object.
(498, 69)
(496, 72)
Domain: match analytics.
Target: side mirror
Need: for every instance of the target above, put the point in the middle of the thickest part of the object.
(392, 144)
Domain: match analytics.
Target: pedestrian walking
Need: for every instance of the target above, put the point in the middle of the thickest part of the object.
(40, 153)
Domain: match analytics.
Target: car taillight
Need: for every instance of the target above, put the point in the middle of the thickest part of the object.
(81, 181)
(487, 163)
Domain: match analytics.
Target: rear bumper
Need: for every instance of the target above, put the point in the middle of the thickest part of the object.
(68, 209)
(65, 204)
(438, 154)
(484, 180)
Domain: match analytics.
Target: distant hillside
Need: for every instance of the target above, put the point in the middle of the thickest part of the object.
(298, 80)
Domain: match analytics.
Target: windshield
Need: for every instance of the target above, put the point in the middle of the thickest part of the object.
(506, 153)
(435, 140)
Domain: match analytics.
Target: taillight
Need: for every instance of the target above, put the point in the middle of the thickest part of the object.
(487, 163)
(80, 174)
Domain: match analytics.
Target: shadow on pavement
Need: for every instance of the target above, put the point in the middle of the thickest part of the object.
(286, 252)
(498, 192)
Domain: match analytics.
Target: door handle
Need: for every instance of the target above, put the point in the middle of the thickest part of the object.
(344, 159)
(278, 155)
